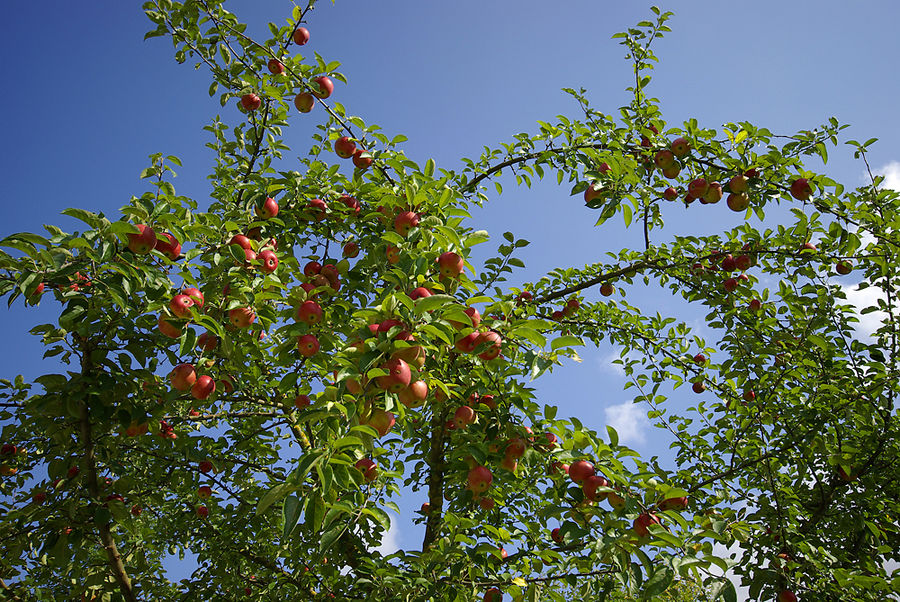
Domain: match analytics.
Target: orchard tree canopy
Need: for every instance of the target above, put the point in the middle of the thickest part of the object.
(257, 377)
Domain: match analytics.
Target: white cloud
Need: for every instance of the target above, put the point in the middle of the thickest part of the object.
(629, 420)
(390, 542)
(891, 173)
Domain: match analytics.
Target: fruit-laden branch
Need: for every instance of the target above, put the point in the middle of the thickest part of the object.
(90, 466)
(435, 476)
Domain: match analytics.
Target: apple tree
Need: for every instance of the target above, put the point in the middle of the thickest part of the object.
(257, 378)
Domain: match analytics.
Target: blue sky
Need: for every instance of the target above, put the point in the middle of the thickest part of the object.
(87, 100)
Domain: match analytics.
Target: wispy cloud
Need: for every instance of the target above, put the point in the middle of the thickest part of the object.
(629, 420)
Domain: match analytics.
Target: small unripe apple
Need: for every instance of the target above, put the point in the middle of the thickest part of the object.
(322, 86)
(144, 241)
(301, 36)
(304, 101)
(268, 209)
(344, 147)
(250, 102)
(275, 66)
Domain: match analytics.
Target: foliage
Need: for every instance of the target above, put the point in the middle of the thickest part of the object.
(794, 460)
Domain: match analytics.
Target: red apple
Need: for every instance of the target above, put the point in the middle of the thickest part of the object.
(144, 241)
(250, 102)
(479, 479)
(301, 36)
(801, 189)
(642, 522)
(269, 261)
(168, 245)
(344, 147)
(203, 387)
(241, 317)
(450, 265)
(308, 345)
(304, 102)
(368, 468)
(181, 306)
(406, 221)
(580, 470)
(182, 377)
(362, 159)
(322, 86)
(268, 209)
(168, 327)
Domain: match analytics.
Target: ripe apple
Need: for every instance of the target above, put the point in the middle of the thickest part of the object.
(664, 159)
(405, 221)
(203, 387)
(269, 260)
(713, 193)
(304, 102)
(194, 294)
(181, 306)
(786, 596)
(738, 184)
(268, 209)
(204, 492)
(479, 479)
(310, 313)
(168, 245)
(642, 522)
(251, 101)
(168, 327)
(493, 595)
(241, 241)
(368, 468)
(590, 485)
(182, 377)
(301, 36)
(738, 201)
(843, 267)
(494, 343)
(698, 187)
(362, 159)
(308, 345)
(674, 503)
(382, 421)
(241, 317)
(322, 86)
(275, 66)
(144, 241)
(580, 470)
(398, 376)
(801, 189)
(670, 194)
(680, 147)
(463, 417)
(594, 191)
(344, 147)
